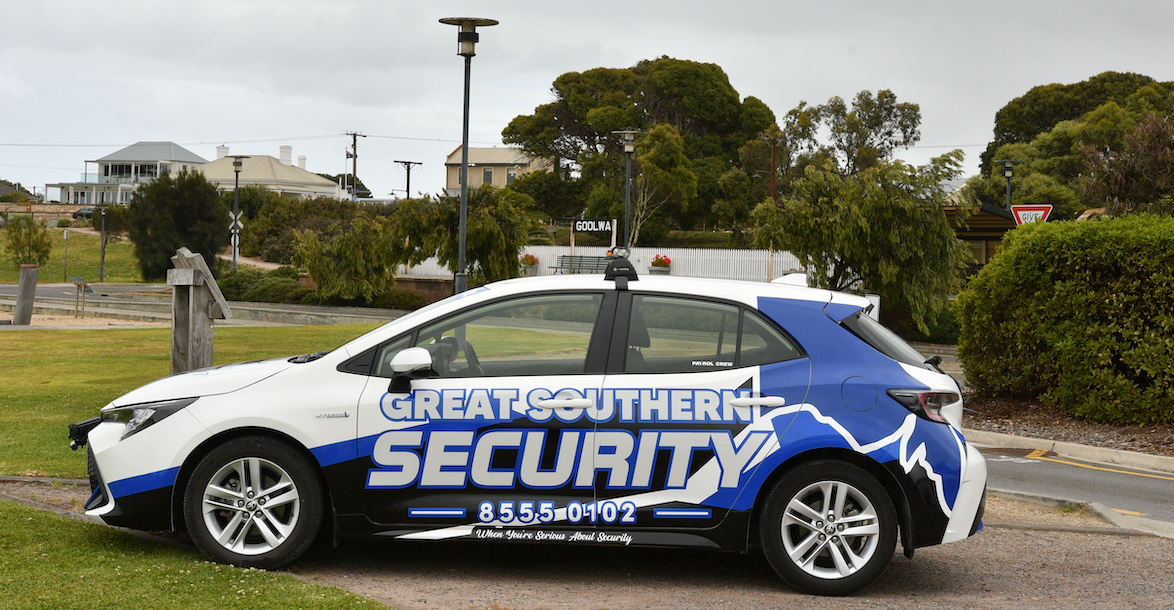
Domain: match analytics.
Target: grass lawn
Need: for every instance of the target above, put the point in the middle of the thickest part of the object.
(84, 255)
(52, 378)
(50, 561)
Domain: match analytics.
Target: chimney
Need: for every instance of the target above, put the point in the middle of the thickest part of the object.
(221, 151)
(286, 154)
(301, 161)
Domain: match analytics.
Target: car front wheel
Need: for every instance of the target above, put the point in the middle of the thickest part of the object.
(828, 528)
(254, 502)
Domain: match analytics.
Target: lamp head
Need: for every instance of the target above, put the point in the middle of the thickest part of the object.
(467, 36)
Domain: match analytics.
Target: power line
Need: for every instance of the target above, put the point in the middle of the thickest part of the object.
(251, 141)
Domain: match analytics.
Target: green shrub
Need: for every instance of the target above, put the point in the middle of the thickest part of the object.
(1078, 314)
(233, 285)
(285, 271)
(270, 289)
(943, 329)
(400, 298)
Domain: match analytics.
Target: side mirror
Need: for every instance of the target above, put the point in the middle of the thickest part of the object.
(410, 364)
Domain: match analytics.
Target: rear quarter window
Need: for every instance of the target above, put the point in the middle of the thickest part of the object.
(883, 340)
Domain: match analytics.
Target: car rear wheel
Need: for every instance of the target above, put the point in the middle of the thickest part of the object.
(254, 501)
(828, 528)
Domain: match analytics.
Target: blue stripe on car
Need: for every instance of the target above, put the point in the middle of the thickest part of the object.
(144, 482)
(335, 453)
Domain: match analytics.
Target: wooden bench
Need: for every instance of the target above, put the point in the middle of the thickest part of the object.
(581, 264)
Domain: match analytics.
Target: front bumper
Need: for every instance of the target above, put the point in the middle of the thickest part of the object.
(132, 480)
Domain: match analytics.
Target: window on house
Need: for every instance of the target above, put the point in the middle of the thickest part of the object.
(510, 174)
(487, 175)
(117, 170)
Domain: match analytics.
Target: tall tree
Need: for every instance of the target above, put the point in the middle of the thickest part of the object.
(1042, 107)
(350, 262)
(28, 241)
(176, 210)
(1053, 166)
(665, 178)
(883, 230)
(694, 98)
(112, 220)
(1138, 177)
(499, 224)
(871, 131)
(554, 195)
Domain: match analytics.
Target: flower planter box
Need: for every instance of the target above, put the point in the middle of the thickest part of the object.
(659, 270)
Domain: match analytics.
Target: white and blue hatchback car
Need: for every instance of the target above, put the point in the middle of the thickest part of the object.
(580, 409)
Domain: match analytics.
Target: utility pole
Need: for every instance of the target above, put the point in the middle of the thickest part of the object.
(354, 161)
(774, 139)
(408, 166)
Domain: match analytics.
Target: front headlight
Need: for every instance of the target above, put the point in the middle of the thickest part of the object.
(139, 417)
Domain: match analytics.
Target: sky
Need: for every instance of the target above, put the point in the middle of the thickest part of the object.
(81, 79)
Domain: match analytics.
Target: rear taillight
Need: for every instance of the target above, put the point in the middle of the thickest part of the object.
(925, 404)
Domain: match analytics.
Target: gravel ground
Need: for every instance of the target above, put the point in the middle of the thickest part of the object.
(1029, 555)
(46, 321)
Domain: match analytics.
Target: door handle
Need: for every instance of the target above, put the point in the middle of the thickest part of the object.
(565, 403)
(762, 401)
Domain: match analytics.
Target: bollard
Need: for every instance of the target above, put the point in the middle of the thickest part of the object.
(25, 293)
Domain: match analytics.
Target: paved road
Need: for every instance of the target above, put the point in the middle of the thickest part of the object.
(1127, 490)
(101, 292)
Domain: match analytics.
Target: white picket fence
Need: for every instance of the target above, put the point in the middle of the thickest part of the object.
(750, 265)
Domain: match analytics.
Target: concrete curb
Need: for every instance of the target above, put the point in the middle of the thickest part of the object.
(1117, 457)
(1129, 459)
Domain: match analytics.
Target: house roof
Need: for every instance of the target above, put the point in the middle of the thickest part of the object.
(490, 156)
(988, 222)
(143, 152)
(267, 171)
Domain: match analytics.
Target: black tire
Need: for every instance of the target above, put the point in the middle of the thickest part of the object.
(822, 551)
(235, 518)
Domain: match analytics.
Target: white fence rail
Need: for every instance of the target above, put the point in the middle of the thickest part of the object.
(750, 265)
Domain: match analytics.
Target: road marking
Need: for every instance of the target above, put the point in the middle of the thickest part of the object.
(1038, 454)
(1129, 512)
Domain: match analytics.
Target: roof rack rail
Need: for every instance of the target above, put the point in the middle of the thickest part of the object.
(621, 271)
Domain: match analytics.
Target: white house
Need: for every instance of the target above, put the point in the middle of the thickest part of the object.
(121, 172)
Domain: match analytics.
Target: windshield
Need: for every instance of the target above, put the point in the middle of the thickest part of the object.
(884, 340)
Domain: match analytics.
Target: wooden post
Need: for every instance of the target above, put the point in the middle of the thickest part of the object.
(22, 314)
(196, 301)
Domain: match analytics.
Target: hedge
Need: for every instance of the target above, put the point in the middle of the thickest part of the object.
(1077, 314)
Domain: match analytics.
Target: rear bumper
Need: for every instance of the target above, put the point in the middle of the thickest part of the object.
(966, 517)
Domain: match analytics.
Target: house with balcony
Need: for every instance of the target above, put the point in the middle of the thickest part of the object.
(120, 173)
(497, 166)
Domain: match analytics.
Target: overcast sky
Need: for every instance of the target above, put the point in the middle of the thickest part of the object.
(81, 79)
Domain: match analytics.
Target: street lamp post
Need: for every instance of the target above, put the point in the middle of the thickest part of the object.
(466, 40)
(235, 225)
(629, 138)
(102, 258)
(1008, 171)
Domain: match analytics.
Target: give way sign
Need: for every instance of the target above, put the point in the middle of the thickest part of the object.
(1031, 213)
